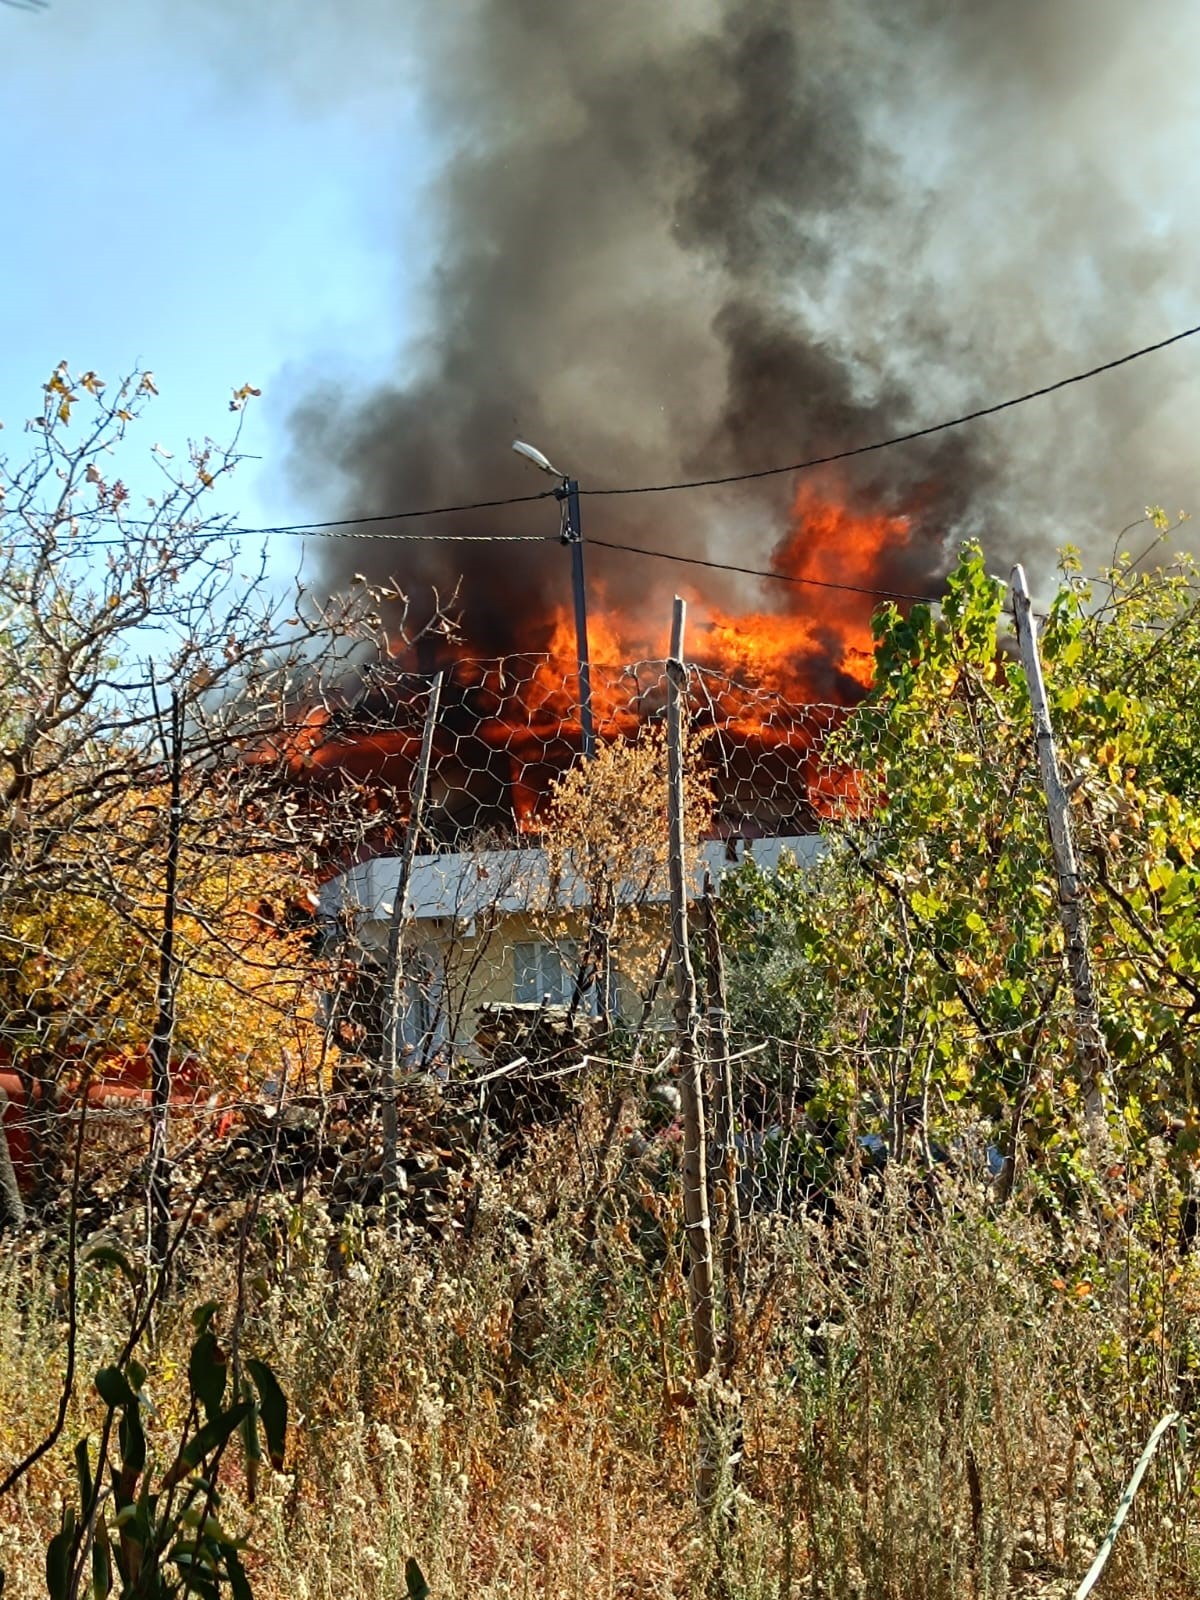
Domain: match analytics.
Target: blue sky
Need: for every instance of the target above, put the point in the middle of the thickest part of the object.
(173, 201)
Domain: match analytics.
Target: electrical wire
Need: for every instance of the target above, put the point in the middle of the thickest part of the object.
(806, 465)
(905, 438)
(214, 535)
(764, 572)
(405, 516)
(603, 544)
(334, 527)
(421, 538)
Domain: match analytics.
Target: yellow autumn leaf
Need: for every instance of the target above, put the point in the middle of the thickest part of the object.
(240, 396)
(246, 993)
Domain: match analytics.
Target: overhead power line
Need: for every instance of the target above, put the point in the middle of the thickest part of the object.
(807, 465)
(349, 527)
(405, 516)
(315, 531)
(764, 572)
(333, 527)
(626, 549)
(905, 438)
(417, 538)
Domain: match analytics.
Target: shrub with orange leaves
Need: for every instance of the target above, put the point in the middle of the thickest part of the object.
(79, 964)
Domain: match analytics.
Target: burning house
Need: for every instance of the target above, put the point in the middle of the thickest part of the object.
(720, 249)
(483, 895)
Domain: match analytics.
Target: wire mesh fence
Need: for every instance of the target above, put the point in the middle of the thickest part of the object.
(725, 1190)
(534, 980)
(537, 929)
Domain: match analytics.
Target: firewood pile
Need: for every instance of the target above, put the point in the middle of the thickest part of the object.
(528, 1075)
(535, 1056)
(329, 1146)
(337, 1149)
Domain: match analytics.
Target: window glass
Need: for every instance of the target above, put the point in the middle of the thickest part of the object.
(544, 973)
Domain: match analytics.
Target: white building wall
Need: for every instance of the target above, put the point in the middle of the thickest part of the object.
(469, 911)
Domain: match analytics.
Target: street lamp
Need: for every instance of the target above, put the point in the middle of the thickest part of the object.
(567, 494)
(541, 462)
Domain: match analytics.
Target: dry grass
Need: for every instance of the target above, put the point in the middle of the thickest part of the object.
(938, 1403)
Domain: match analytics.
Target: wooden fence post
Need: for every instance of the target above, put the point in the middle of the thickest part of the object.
(158, 1194)
(394, 970)
(1095, 1068)
(697, 1227)
(727, 1220)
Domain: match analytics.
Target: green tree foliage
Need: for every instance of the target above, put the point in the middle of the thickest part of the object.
(915, 982)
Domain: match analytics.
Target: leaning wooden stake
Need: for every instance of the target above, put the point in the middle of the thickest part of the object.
(687, 1024)
(727, 1218)
(394, 972)
(1095, 1068)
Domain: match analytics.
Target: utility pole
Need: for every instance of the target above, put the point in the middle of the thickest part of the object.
(567, 495)
(572, 534)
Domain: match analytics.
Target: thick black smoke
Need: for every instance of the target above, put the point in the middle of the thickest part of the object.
(700, 238)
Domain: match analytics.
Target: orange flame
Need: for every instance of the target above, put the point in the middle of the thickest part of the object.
(812, 644)
(815, 625)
